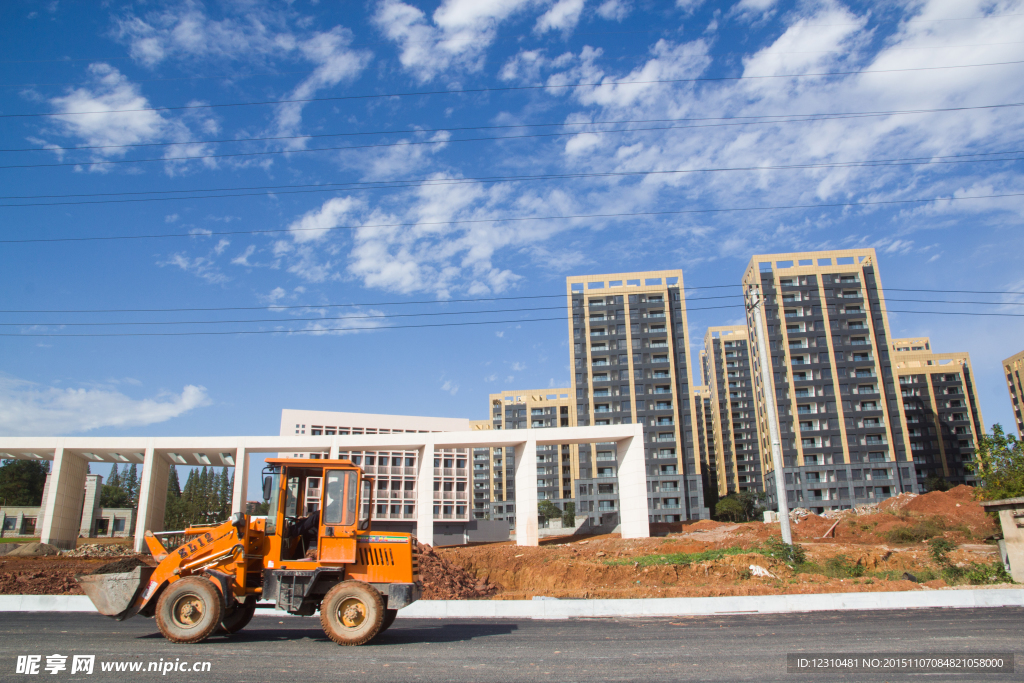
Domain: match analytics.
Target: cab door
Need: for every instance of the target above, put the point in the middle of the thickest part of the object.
(340, 506)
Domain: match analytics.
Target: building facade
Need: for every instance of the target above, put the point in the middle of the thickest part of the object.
(941, 408)
(704, 408)
(842, 427)
(630, 364)
(96, 521)
(493, 469)
(726, 365)
(394, 471)
(1013, 368)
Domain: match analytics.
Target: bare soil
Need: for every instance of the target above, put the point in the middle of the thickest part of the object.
(608, 566)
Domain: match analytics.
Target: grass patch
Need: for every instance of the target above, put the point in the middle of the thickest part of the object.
(679, 558)
(917, 532)
(840, 567)
(976, 574)
(19, 540)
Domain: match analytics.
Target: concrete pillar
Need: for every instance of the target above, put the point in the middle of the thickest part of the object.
(527, 532)
(1013, 540)
(3, 519)
(42, 506)
(19, 523)
(425, 495)
(632, 474)
(241, 490)
(93, 488)
(156, 470)
(64, 502)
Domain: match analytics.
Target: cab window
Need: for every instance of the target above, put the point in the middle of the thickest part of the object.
(340, 497)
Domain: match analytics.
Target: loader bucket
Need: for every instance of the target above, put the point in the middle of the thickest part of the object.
(114, 594)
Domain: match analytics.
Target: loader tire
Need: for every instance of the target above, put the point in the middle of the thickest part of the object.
(189, 610)
(389, 618)
(238, 618)
(352, 613)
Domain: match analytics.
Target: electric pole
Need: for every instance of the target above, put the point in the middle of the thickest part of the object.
(755, 303)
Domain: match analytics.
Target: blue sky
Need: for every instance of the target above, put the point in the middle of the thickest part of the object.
(684, 86)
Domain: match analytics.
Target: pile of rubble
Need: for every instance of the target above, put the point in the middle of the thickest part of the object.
(101, 550)
(443, 580)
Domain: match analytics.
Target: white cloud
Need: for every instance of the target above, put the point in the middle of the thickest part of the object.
(108, 89)
(30, 409)
(518, 367)
(316, 224)
(450, 386)
(243, 258)
(456, 38)
(563, 16)
(615, 10)
(172, 218)
(336, 63)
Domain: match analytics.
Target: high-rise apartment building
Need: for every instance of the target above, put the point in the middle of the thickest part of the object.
(841, 422)
(941, 408)
(725, 362)
(706, 441)
(630, 363)
(494, 469)
(1013, 367)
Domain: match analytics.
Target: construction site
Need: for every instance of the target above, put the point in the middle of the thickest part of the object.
(882, 547)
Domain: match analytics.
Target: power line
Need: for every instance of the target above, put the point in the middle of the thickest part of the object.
(575, 33)
(948, 291)
(306, 331)
(892, 202)
(431, 182)
(302, 306)
(985, 303)
(285, 320)
(504, 89)
(752, 119)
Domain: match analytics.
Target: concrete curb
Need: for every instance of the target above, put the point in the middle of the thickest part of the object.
(647, 607)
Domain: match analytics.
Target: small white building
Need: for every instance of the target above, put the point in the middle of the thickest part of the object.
(96, 522)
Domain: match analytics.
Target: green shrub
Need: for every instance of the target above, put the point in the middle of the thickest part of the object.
(939, 548)
(920, 531)
(840, 567)
(978, 574)
(775, 547)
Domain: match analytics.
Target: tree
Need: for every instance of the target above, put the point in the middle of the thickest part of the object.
(937, 483)
(730, 508)
(114, 479)
(22, 482)
(112, 496)
(569, 516)
(1000, 465)
(130, 484)
(548, 510)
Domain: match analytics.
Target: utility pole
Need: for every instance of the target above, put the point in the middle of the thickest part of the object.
(755, 303)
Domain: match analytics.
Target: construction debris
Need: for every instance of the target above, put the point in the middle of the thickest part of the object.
(443, 580)
(101, 550)
(35, 550)
(120, 566)
(758, 570)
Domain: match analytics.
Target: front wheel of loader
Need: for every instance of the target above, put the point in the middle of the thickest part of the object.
(352, 613)
(189, 610)
(238, 618)
(389, 618)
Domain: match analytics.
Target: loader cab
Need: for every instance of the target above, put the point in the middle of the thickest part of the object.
(315, 512)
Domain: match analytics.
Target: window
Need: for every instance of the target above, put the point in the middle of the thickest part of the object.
(340, 497)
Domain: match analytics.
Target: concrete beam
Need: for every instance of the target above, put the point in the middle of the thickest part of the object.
(526, 493)
(64, 503)
(156, 472)
(425, 495)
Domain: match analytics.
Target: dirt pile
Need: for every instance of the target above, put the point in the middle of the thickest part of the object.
(443, 580)
(34, 550)
(120, 566)
(101, 550)
(40, 577)
(8, 547)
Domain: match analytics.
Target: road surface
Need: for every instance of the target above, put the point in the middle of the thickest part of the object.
(720, 648)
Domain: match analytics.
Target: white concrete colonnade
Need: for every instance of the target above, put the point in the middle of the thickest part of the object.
(61, 515)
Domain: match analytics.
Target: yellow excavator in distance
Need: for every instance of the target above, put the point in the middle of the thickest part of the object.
(313, 551)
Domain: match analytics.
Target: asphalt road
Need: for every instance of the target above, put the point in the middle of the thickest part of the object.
(723, 648)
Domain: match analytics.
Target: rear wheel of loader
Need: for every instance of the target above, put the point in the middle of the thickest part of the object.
(238, 618)
(389, 618)
(352, 613)
(189, 610)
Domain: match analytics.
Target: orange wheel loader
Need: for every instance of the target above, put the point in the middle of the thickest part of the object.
(314, 551)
